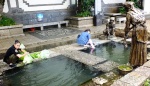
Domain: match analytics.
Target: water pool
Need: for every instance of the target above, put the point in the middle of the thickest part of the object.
(57, 71)
(112, 51)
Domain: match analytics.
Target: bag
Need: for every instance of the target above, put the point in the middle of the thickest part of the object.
(44, 54)
(22, 46)
(27, 59)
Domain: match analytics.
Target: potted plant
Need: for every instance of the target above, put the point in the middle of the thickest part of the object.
(83, 17)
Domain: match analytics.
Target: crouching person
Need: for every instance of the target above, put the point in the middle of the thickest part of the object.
(13, 54)
(85, 39)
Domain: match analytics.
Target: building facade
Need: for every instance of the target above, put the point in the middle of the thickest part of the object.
(26, 11)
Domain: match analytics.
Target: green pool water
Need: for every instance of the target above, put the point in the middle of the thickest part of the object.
(112, 51)
(57, 71)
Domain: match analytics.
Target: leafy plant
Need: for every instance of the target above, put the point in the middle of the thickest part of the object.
(147, 83)
(136, 4)
(85, 6)
(2, 2)
(122, 10)
(83, 14)
(5, 21)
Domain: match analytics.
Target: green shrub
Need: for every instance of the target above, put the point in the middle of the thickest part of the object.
(5, 21)
(136, 4)
(83, 14)
(147, 83)
(85, 9)
(122, 10)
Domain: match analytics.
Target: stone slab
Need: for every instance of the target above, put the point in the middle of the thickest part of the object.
(117, 39)
(16, 31)
(121, 83)
(147, 64)
(106, 66)
(4, 33)
(85, 58)
(97, 41)
(144, 71)
(134, 78)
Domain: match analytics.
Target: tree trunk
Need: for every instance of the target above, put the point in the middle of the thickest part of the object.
(1, 7)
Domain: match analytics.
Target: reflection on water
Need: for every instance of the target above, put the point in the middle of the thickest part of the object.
(57, 71)
(112, 51)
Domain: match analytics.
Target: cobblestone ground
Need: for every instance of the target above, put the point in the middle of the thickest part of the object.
(31, 39)
(54, 33)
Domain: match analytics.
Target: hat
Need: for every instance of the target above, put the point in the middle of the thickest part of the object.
(129, 3)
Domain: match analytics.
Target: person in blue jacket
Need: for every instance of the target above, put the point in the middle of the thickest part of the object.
(85, 39)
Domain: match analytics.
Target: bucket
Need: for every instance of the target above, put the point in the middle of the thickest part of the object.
(32, 29)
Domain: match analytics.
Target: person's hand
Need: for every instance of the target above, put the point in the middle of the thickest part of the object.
(26, 53)
(125, 45)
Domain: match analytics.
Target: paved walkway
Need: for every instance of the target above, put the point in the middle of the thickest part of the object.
(32, 41)
(29, 39)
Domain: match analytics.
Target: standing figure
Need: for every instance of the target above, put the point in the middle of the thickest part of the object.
(110, 26)
(136, 22)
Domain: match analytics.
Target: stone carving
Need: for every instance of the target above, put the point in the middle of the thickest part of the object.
(110, 26)
(136, 23)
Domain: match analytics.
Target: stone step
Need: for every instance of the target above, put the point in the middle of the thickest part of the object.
(135, 78)
(72, 51)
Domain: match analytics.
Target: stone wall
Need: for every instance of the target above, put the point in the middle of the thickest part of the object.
(11, 31)
(80, 22)
(110, 8)
(28, 18)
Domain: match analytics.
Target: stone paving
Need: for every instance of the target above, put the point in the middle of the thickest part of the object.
(136, 77)
(54, 33)
(31, 41)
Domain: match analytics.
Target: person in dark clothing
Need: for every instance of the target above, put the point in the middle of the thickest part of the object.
(13, 54)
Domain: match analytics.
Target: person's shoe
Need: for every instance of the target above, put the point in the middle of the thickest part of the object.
(12, 65)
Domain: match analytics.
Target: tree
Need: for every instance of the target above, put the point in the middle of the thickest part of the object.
(84, 7)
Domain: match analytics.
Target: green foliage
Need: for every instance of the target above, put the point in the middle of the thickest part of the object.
(122, 10)
(2, 2)
(147, 83)
(83, 14)
(125, 67)
(136, 4)
(5, 21)
(85, 8)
